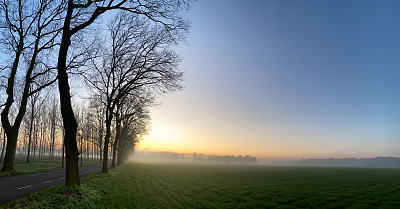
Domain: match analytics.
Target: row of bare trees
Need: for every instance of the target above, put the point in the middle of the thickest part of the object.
(124, 65)
(41, 134)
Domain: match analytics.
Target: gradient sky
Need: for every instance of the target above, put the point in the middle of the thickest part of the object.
(286, 79)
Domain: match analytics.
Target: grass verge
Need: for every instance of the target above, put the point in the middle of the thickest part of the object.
(88, 195)
(20, 167)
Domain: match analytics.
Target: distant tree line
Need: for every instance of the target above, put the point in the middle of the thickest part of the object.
(118, 70)
(159, 156)
(231, 159)
(195, 157)
(226, 159)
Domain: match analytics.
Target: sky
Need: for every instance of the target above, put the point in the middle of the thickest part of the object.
(286, 80)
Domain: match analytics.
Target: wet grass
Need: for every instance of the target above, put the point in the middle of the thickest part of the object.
(138, 185)
(204, 186)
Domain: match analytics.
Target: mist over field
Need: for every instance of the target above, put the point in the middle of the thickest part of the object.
(194, 158)
(378, 162)
(200, 104)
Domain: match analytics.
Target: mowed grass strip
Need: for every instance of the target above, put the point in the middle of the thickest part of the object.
(88, 195)
(206, 186)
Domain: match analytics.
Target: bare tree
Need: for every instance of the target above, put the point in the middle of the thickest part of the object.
(80, 15)
(128, 111)
(37, 102)
(140, 58)
(53, 124)
(33, 113)
(29, 33)
(98, 117)
(134, 120)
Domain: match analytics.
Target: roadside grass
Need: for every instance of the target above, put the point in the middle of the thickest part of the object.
(20, 167)
(139, 185)
(206, 186)
(88, 195)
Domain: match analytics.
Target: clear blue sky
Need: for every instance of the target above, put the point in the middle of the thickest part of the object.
(286, 79)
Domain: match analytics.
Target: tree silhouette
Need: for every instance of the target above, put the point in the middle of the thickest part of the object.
(79, 16)
(30, 31)
(140, 60)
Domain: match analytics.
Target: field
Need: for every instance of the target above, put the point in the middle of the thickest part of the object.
(205, 186)
(140, 185)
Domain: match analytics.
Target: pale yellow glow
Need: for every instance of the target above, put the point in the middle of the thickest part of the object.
(172, 131)
(210, 121)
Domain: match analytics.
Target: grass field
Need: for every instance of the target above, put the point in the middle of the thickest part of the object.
(205, 186)
(139, 185)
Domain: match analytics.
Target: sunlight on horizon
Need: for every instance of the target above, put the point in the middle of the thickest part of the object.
(321, 82)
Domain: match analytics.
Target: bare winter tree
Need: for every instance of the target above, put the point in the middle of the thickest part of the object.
(53, 124)
(133, 129)
(34, 99)
(132, 119)
(36, 103)
(98, 124)
(80, 15)
(30, 32)
(131, 108)
(140, 58)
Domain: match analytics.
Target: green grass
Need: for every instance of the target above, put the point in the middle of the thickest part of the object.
(88, 195)
(205, 186)
(138, 185)
(20, 167)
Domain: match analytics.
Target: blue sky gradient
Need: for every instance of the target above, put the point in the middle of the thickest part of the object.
(286, 79)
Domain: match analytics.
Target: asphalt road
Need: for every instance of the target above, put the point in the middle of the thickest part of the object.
(14, 187)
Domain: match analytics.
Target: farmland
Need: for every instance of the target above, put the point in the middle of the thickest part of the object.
(206, 186)
(152, 185)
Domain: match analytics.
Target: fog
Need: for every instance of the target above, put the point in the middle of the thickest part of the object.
(199, 158)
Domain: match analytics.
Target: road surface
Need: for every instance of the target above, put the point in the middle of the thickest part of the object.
(14, 187)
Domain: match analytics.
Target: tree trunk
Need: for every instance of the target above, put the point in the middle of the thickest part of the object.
(30, 138)
(52, 142)
(100, 152)
(4, 144)
(8, 164)
(53, 129)
(35, 141)
(81, 154)
(116, 141)
(100, 155)
(114, 152)
(70, 125)
(25, 142)
(41, 147)
(63, 154)
(87, 145)
(92, 154)
(105, 153)
(107, 140)
(120, 150)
